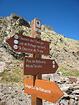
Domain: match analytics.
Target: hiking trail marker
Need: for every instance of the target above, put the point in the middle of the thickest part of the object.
(25, 44)
(43, 89)
(36, 66)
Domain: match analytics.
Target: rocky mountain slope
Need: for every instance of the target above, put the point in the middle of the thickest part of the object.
(64, 50)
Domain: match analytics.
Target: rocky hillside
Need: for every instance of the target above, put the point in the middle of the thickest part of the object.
(64, 50)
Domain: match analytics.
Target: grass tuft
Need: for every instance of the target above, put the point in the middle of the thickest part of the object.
(66, 72)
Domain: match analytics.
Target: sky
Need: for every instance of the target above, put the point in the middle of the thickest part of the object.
(61, 15)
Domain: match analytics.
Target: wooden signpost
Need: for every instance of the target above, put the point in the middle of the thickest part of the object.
(36, 32)
(36, 66)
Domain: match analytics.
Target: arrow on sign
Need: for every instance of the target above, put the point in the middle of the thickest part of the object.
(43, 89)
(25, 44)
(34, 66)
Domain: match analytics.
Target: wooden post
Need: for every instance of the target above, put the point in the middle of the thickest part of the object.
(36, 32)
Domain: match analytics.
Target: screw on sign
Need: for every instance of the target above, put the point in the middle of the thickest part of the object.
(25, 44)
(43, 89)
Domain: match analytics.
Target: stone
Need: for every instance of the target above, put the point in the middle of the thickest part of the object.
(76, 92)
(2, 66)
(23, 22)
(72, 80)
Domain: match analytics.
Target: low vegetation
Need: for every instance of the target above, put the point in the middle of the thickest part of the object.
(66, 72)
(12, 76)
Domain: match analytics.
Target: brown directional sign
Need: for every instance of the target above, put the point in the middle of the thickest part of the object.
(34, 66)
(43, 89)
(25, 44)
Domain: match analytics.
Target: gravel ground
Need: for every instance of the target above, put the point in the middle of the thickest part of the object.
(13, 95)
